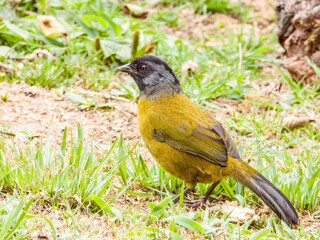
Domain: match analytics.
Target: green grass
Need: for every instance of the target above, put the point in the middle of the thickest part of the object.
(73, 177)
(118, 186)
(211, 6)
(84, 21)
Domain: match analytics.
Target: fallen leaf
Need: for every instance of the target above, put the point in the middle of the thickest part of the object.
(135, 10)
(7, 133)
(150, 47)
(40, 53)
(237, 212)
(189, 67)
(50, 27)
(6, 68)
(114, 85)
(31, 91)
(294, 122)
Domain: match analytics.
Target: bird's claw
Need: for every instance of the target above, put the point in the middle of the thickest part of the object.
(196, 203)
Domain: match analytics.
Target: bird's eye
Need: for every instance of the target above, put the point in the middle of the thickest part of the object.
(142, 68)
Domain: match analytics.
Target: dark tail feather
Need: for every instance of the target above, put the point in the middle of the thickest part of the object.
(275, 199)
(271, 196)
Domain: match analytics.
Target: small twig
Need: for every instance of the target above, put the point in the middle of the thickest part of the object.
(7, 133)
(104, 95)
(107, 96)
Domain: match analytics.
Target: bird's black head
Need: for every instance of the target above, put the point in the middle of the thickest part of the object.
(153, 76)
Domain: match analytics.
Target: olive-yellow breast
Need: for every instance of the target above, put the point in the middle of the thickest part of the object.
(169, 113)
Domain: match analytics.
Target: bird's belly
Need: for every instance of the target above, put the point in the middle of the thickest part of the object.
(185, 166)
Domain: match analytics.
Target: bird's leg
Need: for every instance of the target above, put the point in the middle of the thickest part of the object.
(176, 198)
(203, 200)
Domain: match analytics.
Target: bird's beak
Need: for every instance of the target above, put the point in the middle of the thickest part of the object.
(125, 68)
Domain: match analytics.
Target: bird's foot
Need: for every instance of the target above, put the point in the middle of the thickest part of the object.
(196, 203)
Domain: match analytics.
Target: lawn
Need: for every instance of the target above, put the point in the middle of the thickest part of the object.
(72, 162)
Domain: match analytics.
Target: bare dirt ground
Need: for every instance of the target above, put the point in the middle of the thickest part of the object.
(194, 26)
(45, 112)
(48, 109)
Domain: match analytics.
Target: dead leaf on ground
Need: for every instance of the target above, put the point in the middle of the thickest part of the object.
(237, 212)
(40, 53)
(188, 68)
(135, 11)
(149, 47)
(50, 27)
(114, 85)
(6, 68)
(31, 91)
(294, 122)
(5, 132)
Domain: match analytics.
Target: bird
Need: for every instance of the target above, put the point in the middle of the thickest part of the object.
(189, 142)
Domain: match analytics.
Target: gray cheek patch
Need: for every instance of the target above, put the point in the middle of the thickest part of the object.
(164, 72)
(152, 80)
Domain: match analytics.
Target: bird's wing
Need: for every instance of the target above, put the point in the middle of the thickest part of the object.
(212, 144)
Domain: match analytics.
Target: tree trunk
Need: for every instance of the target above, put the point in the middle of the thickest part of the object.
(299, 35)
